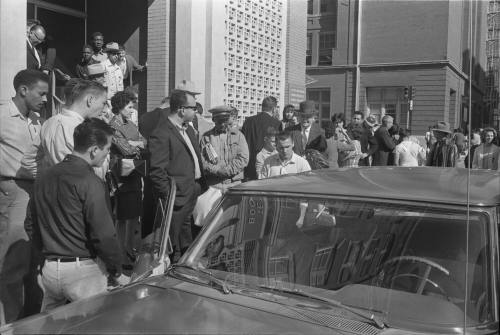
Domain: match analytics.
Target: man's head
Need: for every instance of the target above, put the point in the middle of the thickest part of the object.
(371, 121)
(284, 145)
(121, 55)
(31, 87)
(358, 118)
(97, 41)
(441, 130)
(36, 35)
(92, 140)
(183, 105)
(113, 51)
(86, 53)
(269, 104)
(86, 97)
(388, 121)
(223, 117)
(307, 113)
(476, 137)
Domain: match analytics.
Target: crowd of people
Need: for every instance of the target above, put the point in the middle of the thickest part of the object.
(79, 190)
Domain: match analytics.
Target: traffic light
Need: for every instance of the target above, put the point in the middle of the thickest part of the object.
(406, 93)
(413, 92)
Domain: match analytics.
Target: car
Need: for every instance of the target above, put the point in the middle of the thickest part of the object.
(373, 250)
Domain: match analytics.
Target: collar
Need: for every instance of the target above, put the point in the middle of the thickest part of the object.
(72, 114)
(77, 160)
(305, 129)
(292, 160)
(269, 152)
(179, 125)
(14, 111)
(28, 40)
(100, 52)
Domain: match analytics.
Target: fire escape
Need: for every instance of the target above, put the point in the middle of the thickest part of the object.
(493, 62)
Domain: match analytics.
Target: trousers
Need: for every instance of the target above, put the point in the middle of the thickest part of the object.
(72, 281)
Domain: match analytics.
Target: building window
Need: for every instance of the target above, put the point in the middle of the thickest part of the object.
(239, 16)
(328, 6)
(238, 76)
(386, 101)
(246, 62)
(239, 31)
(231, 44)
(231, 60)
(322, 98)
(309, 7)
(238, 62)
(246, 77)
(327, 43)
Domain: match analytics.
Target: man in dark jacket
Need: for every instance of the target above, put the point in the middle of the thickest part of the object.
(175, 154)
(254, 128)
(385, 142)
(307, 134)
(368, 142)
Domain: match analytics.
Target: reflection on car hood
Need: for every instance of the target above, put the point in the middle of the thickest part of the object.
(166, 305)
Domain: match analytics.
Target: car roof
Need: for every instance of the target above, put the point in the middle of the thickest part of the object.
(422, 184)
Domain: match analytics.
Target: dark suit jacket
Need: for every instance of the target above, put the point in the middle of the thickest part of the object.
(170, 156)
(132, 65)
(385, 146)
(255, 128)
(316, 139)
(149, 121)
(369, 144)
(31, 62)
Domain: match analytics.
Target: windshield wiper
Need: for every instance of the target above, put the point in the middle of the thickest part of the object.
(219, 284)
(367, 316)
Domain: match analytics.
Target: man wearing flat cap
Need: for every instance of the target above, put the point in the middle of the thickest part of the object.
(113, 77)
(224, 149)
(443, 153)
(307, 134)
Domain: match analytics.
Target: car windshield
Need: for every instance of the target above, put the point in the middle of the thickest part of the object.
(394, 260)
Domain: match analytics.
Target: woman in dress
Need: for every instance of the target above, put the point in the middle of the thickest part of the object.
(126, 152)
(486, 154)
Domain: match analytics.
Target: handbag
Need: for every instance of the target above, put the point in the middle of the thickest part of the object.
(204, 205)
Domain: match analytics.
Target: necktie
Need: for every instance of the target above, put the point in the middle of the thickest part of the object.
(304, 138)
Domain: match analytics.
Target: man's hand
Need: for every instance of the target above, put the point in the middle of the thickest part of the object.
(122, 280)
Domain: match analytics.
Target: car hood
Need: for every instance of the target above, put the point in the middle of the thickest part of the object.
(167, 305)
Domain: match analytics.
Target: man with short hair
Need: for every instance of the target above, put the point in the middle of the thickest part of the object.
(385, 142)
(128, 65)
(254, 128)
(36, 35)
(175, 154)
(307, 134)
(81, 69)
(113, 76)
(286, 160)
(20, 126)
(97, 42)
(368, 142)
(224, 150)
(84, 99)
(74, 225)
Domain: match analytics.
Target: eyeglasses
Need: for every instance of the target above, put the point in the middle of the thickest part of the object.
(193, 108)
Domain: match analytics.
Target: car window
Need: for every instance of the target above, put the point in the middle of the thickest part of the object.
(403, 257)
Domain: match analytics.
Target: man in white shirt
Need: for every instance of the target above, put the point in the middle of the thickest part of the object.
(84, 99)
(285, 161)
(113, 77)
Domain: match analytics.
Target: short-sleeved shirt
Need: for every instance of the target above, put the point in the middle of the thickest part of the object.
(113, 78)
(273, 166)
(19, 142)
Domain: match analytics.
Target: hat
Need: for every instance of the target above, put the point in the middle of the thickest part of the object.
(222, 111)
(307, 108)
(112, 47)
(371, 121)
(96, 69)
(187, 86)
(443, 127)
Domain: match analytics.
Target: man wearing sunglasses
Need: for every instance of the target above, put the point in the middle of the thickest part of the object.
(36, 35)
(175, 153)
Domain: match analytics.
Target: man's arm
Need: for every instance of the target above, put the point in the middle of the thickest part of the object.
(372, 143)
(60, 145)
(387, 139)
(159, 149)
(241, 160)
(102, 232)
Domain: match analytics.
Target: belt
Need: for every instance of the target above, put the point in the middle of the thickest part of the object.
(14, 178)
(68, 259)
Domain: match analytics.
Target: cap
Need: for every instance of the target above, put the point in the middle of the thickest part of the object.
(112, 47)
(187, 86)
(96, 69)
(442, 126)
(223, 111)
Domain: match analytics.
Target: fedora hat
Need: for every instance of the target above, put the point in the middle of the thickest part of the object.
(187, 86)
(112, 47)
(307, 109)
(443, 127)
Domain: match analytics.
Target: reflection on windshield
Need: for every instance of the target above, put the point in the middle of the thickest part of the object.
(396, 260)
